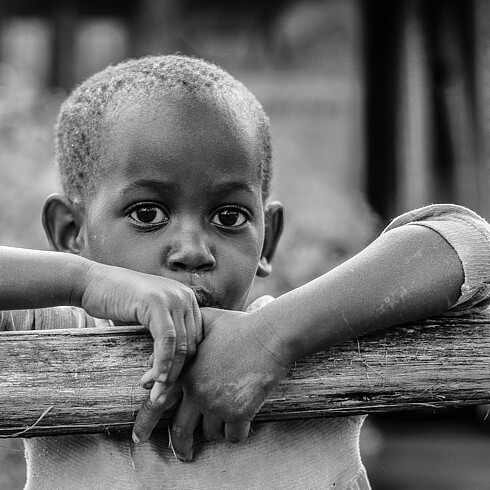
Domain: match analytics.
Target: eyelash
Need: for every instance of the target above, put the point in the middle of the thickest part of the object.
(149, 206)
(242, 215)
(245, 216)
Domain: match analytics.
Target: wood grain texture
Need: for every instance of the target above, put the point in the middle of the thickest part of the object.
(68, 381)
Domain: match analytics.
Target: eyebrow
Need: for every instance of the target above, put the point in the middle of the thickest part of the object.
(159, 186)
(224, 187)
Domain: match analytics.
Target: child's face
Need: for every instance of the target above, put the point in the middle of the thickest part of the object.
(180, 197)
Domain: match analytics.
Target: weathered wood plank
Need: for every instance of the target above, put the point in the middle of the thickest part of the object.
(66, 381)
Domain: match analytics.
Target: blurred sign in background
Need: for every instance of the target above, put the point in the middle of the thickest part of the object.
(376, 106)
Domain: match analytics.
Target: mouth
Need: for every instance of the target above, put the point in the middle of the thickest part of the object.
(206, 299)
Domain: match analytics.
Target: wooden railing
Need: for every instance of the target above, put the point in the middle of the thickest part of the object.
(68, 381)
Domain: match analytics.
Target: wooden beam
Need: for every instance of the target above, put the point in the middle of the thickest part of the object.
(68, 381)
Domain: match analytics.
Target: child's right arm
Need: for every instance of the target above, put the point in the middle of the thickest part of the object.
(38, 279)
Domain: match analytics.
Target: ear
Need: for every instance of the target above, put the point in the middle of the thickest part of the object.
(62, 222)
(274, 223)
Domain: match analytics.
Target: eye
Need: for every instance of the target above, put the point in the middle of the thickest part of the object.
(148, 214)
(230, 217)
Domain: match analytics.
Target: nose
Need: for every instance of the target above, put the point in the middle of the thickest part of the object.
(190, 252)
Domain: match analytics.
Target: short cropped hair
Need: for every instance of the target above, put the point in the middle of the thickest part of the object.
(81, 117)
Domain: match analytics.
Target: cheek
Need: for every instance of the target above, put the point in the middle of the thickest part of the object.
(241, 264)
(108, 246)
(100, 248)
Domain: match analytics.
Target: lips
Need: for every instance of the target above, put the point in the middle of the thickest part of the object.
(205, 298)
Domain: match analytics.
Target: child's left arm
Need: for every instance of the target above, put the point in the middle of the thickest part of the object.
(409, 273)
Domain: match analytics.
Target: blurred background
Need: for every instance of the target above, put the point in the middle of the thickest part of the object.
(376, 106)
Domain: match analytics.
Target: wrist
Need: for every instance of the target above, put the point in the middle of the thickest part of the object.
(83, 273)
(274, 335)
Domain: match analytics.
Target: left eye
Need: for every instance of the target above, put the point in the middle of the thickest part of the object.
(229, 218)
(149, 215)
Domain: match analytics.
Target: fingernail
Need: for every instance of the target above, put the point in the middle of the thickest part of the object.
(162, 378)
(156, 397)
(136, 439)
(185, 458)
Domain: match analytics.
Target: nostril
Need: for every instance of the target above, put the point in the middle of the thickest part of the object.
(188, 252)
(178, 266)
(192, 264)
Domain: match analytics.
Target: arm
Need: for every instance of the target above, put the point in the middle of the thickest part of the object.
(38, 279)
(407, 274)
(427, 262)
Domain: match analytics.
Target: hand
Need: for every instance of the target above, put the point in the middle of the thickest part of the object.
(166, 307)
(233, 373)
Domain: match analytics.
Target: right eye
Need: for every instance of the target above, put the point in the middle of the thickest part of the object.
(148, 214)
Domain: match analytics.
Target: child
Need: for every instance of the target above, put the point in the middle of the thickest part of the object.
(165, 166)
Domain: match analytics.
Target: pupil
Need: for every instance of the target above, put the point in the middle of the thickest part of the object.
(228, 218)
(147, 215)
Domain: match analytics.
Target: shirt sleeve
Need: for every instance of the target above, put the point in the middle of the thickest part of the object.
(48, 319)
(469, 235)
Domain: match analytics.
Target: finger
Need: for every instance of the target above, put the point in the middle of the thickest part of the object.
(212, 428)
(150, 414)
(180, 353)
(159, 392)
(198, 329)
(174, 397)
(146, 380)
(182, 431)
(237, 431)
(164, 335)
(147, 418)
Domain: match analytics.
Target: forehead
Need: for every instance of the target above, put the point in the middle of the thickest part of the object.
(178, 132)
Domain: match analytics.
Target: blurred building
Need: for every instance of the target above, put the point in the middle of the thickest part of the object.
(423, 70)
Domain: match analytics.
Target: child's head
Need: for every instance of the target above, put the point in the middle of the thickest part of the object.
(165, 168)
(84, 116)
